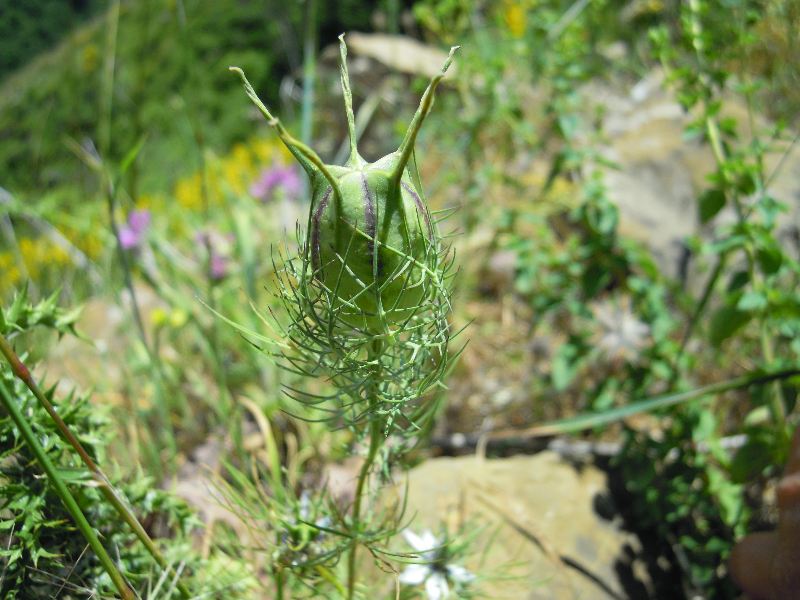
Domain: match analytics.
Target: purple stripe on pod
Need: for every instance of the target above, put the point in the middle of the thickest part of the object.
(369, 209)
(421, 208)
(370, 221)
(315, 219)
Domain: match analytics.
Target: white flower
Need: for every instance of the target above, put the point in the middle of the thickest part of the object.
(434, 573)
(622, 335)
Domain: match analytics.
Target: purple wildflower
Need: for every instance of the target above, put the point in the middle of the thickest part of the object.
(216, 248)
(218, 269)
(132, 233)
(276, 178)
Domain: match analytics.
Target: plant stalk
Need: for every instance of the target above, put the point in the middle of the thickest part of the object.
(279, 585)
(375, 440)
(137, 317)
(586, 421)
(375, 435)
(64, 493)
(22, 372)
(309, 71)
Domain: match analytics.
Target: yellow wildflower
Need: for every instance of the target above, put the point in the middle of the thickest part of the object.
(150, 202)
(189, 193)
(515, 17)
(178, 318)
(158, 317)
(90, 58)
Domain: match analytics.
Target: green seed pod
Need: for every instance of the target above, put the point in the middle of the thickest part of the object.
(371, 243)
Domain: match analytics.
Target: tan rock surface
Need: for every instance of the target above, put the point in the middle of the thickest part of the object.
(541, 534)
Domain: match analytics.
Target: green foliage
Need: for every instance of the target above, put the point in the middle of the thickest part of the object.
(151, 68)
(448, 21)
(27, 28)
(686, 497)
(170, 63)
(42, 554)
(23, 315)
(621, 319)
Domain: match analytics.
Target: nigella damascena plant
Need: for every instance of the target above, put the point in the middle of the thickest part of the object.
(368, 295)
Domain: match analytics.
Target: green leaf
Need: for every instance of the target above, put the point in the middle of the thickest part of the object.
(564, 366)
(751, 459)
(132, 154)
(589, 420)
(732, 242)
(738, 281)
(729, 496)
(769, 259)
(725, 322)
(752, 301)
(710, 203)
(757, 416)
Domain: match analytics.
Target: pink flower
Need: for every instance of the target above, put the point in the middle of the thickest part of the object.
(218, 269)
(133, 232)
(216, 248)
(286, 179)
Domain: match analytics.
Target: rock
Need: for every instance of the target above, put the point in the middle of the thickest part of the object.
(400, 53)
(537, 526)
(340, 479)
(76, 363)
(497, 277)
(654, 186)
(661, 173)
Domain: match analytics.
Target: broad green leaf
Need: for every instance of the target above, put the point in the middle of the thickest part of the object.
(725, 322)
(711, 202)
(769, 259)
(738, 281)
(752, 301)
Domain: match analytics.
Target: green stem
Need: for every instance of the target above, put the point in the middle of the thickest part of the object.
(326, 574)
(232, 409)
(354, 159)
(161, 406)
(777, 407)
(65, 495)
(107, 94)
(308, 159)
(279, 585)
(309, 71)
(375, 435)
(22, 372)
(701, 305)
(375, 440)
(393, 16)
(589, 420)
(123, 260)
(425, 104)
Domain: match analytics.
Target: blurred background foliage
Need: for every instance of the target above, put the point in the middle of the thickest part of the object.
(28, 28)
(170, 61)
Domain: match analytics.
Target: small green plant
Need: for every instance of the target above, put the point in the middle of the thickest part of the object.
(45, 493)
(696, 499)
